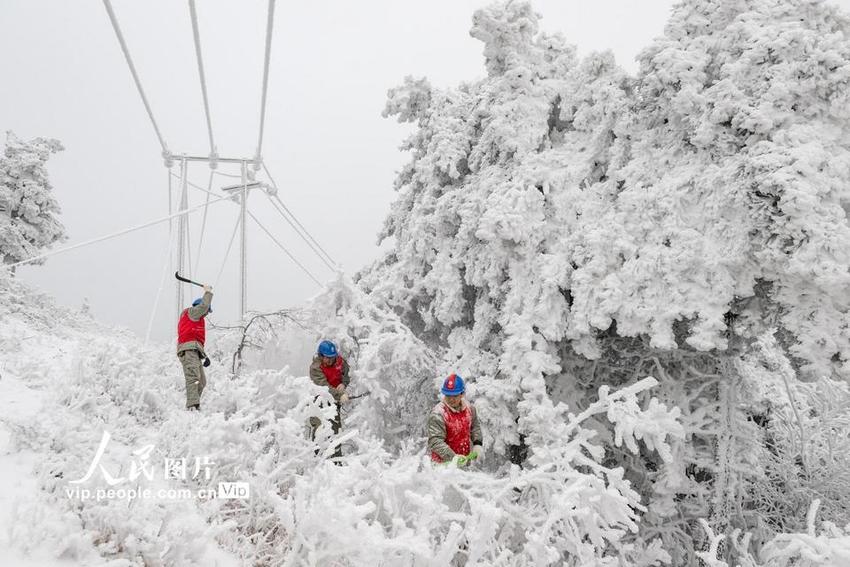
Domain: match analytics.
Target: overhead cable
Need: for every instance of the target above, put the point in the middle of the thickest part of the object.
(269, 30)
(166, 153)
(197, 36)
(321, 251)
(281, 246)
(109, 236)
(287, 252)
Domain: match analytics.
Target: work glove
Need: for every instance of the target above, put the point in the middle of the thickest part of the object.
(344, 399)
(340, 388)
(479, 451)
(207, 361)
(208, 288)
(461, 461)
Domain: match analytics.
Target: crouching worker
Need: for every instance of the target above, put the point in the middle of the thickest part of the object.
(454, 430)
(330, 369)
(191, 334)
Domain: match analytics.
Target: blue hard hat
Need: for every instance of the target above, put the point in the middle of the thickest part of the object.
(327, 348)
(199, 301)
(453, 385)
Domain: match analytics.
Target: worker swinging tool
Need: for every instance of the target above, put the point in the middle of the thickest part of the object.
(191, 335)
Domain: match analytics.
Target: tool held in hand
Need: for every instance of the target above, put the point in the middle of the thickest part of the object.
(187, 280)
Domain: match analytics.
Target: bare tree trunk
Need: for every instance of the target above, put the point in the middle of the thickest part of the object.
(246, 342)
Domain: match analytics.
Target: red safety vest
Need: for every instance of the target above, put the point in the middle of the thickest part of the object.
(458, 430)
(188, 330)
(333, 373)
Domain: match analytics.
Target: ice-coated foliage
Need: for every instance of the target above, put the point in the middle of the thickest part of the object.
(805, 450)
(28, 210)
(559, 198)
(379, 508)
(392, 371)
(740, 164)
(829, 547)
(562, 226)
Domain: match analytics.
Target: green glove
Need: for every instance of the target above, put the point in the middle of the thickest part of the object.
(463, 460)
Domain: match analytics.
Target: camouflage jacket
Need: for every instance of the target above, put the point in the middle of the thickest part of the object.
(196, 312)
(437, 431)
(318, 377)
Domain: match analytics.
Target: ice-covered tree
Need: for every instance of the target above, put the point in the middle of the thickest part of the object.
(28, 209)
(738, 184)
(477, 263)
(562, 225)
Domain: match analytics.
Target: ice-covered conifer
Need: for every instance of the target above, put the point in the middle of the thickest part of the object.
(556, 199)
(28, 210)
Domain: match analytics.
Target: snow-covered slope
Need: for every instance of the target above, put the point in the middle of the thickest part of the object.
(65, 381)
(68, 381)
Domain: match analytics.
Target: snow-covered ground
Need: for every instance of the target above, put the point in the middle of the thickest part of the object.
(19, 404)
(53, 416)
(67, 380)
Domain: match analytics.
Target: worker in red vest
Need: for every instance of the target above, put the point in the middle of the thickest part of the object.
(191, 334)
(454, 430)
(330, 369)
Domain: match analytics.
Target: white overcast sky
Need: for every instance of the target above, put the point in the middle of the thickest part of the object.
(334, 157)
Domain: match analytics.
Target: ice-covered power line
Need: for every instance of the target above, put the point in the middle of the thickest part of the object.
(113, 235)
(182, 231)
(302, 231)
(293, 222)
(197, 36)
(316, 251)
(227, 252)
(166, 153)
(276, 195)
(282, 247)
(275, 240)
(165, 269)
(204, 223)
(247, 180)
(269, 29)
